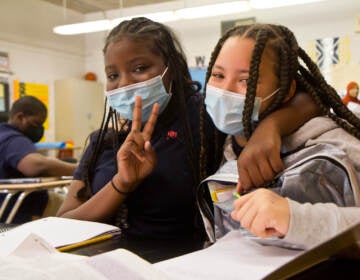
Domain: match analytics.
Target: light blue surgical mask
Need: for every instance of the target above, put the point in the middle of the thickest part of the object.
(152, 91)
(226, 108)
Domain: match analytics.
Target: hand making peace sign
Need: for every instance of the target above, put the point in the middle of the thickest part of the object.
(136, 158)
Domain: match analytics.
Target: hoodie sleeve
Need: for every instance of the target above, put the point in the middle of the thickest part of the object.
(311, 224)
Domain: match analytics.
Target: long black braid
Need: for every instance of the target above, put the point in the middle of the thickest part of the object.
(103, 140)
(307, 75)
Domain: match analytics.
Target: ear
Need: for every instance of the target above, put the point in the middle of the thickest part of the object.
(292, 91)
(17, 119)
(19, 116)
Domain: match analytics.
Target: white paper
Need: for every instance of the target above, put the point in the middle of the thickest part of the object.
(34, 258)
(232, 257)
(124, 265)
(113, 265)
(56, 266)
(56, 231)
(33, 246)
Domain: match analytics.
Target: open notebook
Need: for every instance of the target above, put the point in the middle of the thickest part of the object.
(58, 232)
(36, 259)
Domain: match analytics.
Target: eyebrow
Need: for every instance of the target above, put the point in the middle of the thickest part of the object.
(109, 67)
(137, 59)
(240, 71)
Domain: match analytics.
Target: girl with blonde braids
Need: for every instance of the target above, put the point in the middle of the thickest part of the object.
(254, 69)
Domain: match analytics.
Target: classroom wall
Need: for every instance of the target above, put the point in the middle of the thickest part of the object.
(38, 55)
(42, 66)
(309, 22)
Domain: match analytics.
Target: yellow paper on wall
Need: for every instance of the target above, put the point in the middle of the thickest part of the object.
(2, 91)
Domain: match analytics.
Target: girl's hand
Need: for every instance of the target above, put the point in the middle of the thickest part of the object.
(263, 213)
(260, 161)
(136, 158)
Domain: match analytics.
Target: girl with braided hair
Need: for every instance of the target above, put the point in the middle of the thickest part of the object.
(140, 172)
(253, 70)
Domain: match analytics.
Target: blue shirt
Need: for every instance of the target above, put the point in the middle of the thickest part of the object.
(163, 205)
(14, 146)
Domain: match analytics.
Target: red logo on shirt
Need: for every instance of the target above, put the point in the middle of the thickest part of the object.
(171, 134)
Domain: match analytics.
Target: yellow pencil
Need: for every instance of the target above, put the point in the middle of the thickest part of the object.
(86, 242)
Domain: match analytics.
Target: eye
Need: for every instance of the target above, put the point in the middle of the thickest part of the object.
(140, 68)
(217, 75)
(112, 76)
(243, 81)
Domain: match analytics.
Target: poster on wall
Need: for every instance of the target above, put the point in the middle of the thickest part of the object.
(327, 52)
(40, 91)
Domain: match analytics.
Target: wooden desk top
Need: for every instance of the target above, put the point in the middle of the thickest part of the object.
(35, 186)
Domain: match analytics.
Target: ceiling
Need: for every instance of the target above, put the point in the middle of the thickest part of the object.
(92, 6)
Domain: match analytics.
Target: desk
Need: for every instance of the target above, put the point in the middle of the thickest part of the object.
(331, 269)
(25, 189)
(149, 249)
(159, 250)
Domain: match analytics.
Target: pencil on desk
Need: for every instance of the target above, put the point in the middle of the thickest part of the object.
(84, 243)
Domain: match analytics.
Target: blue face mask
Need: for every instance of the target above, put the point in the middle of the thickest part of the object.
(152, 91)
(226, 108)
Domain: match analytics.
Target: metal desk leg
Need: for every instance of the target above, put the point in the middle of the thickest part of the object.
(16, 206)
(5, 203)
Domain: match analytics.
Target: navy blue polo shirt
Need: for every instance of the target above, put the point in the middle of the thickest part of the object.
(163, 205)
(13, 147)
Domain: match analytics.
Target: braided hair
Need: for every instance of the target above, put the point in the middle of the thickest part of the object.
(164, 43)
(293, 64)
